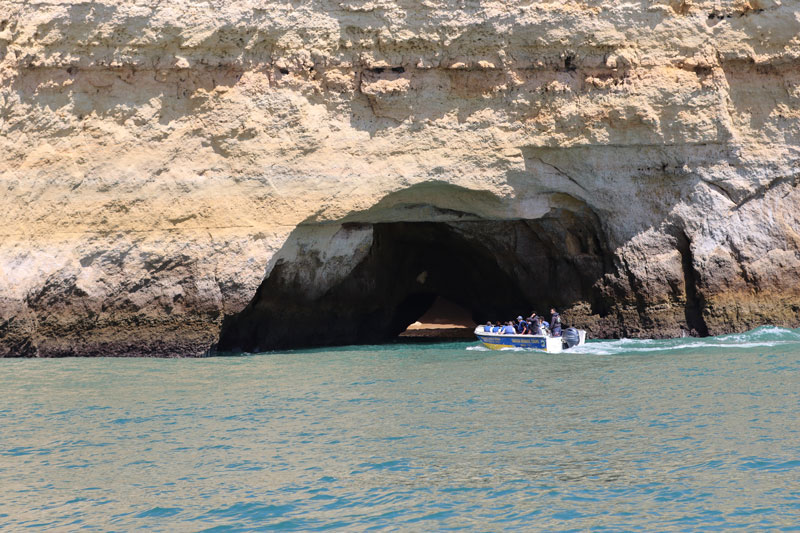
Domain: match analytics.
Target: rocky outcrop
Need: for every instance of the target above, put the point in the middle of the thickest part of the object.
(635, 164)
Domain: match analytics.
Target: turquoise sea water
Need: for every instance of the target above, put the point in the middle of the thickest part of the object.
(623, 435)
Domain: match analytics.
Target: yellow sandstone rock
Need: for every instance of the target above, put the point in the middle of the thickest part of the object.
(157, 160)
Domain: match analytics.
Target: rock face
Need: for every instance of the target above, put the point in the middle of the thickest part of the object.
(181, 176)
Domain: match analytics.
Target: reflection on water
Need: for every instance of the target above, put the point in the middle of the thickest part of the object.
(657, 435)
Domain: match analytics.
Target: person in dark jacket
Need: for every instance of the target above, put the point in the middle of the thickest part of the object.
(555, 323)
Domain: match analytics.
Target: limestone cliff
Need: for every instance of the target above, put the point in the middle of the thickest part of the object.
(633, 162)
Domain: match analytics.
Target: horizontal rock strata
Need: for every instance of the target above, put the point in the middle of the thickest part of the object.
(158, 162)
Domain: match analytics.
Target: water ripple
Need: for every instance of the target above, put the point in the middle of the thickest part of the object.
(685, 434)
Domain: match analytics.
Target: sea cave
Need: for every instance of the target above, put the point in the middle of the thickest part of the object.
(365, 283)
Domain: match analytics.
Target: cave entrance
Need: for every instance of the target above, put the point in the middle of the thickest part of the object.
(366, 283)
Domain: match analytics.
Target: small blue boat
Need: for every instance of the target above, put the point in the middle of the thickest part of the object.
(542, 343)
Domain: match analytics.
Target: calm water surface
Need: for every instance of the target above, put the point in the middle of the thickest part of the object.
(625, 435)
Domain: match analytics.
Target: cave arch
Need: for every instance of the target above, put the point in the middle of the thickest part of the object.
(362, 283)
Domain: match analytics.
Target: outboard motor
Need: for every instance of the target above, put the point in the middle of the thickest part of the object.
(571, 337)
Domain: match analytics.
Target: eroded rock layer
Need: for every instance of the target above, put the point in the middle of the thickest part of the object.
(159, 161)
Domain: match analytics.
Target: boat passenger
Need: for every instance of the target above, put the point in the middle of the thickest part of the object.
(555, 322)
(522, 326)
(508, 329)
(534, 327)
(496, 328)
(488, 327)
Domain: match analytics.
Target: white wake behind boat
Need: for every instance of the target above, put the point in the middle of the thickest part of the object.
(544, 343)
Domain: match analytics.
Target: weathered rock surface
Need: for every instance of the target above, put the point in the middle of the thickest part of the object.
(157, 161)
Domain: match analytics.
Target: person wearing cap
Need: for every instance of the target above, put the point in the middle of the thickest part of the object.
(522, 326)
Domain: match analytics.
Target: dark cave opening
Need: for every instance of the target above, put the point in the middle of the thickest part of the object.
(495, 269)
